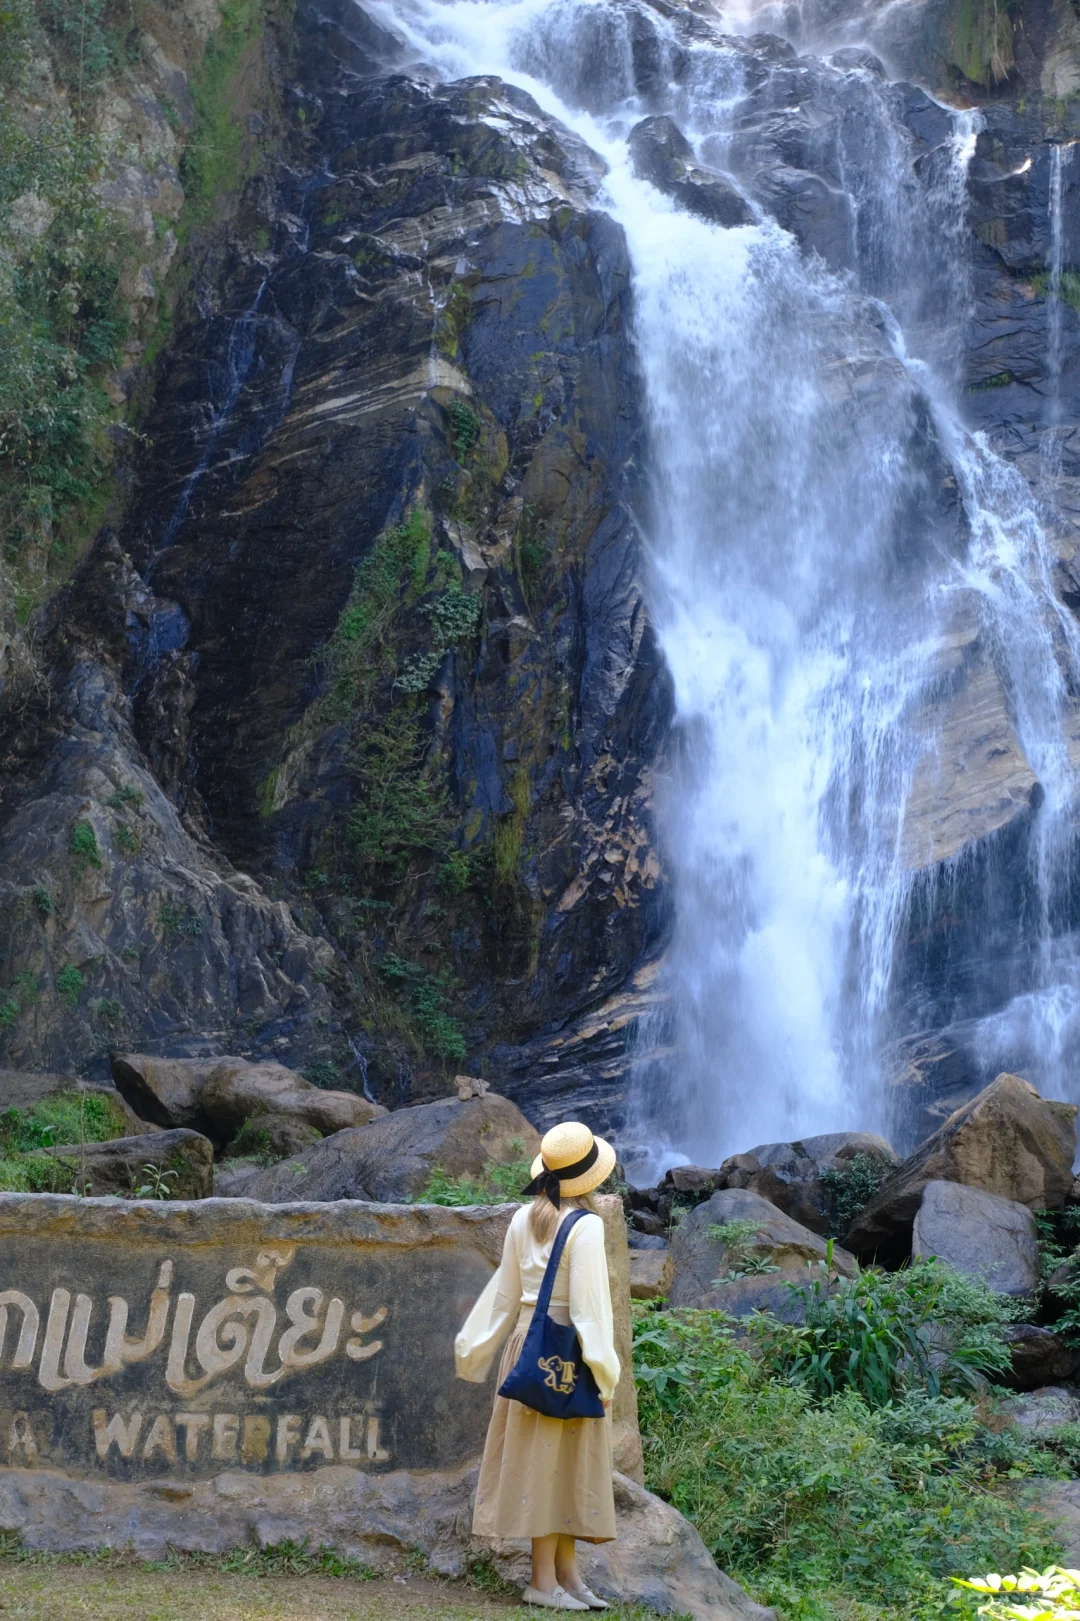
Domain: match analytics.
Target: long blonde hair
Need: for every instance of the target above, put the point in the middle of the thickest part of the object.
(544, 1218)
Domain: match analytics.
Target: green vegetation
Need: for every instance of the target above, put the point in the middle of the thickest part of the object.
(177, 917)
(21, 994)
(464, 428)
(157, 1183)
(510, 833)
(323, 1073)
(1049, 1595)
(833, 1507)
(125, 798)
(1000, 379)
(400, 813)
(216, 162)
(69, 985)
(847, 1191)
(982, 40)
(68, 1118)
(500, 1184)
(738, 1237)
(424, 996)
(83, 847)
(1069, 290)
(43, 902)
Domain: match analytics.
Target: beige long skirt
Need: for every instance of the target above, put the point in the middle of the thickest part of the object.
(543, 1475)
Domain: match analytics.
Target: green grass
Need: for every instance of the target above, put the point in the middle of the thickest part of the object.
(217, 159)
(499, 1184)
(67, 1117)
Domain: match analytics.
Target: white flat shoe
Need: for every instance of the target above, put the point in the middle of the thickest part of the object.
(588, 1597)
(557, 1599)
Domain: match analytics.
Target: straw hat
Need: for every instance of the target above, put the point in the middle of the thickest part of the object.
(572, 1146)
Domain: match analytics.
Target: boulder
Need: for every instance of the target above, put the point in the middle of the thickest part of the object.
(699, 1260)
(646, 1273)
(126, 1164)
(166, 1092)
(661, 154)
(1008, 1140)
(274, 1136)
(979, 1234)
(391, 1160)
(625, 1434)
(237, 1091)
(381, 1518)
(659, 1560)
(790, 1175)
(1039, 1356)
(233, 1176)
(1043, 1412)
(1059, 1502)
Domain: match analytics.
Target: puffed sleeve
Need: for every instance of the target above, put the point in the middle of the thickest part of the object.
(590, 1303)
(491, 1319)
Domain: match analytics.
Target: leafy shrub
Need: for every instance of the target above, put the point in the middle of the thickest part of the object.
(69, 985)
(847, 1191)
(38, 1173)
(882, 1333)
(399, 813)
(323, 1073)
(738, 1237)
(499, 1184)
(83, 846)
(437, 1032)
(830, 1509)
(1049, 1595)
(43, 902)
(21, 994)
(464, 428)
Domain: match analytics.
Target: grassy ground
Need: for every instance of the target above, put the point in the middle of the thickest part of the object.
(116, 1588)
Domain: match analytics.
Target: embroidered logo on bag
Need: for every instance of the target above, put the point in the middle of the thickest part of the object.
(560, 1375)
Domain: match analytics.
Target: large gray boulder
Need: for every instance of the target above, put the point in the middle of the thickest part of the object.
(393, 1158)
(700, 1259)
(790, 1175)
(1008, 1141)
(1044, 1412)
(979, 1234)
(237, 1091)
(167, 1092)
(175, 1164)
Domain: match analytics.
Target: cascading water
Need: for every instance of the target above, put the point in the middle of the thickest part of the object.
(807, 555)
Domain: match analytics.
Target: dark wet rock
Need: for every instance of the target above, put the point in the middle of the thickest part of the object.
(1039, 1356)
(167, 1164)
(790, 1175)
(700, 1262)
(393, 1158)
(980, 1235)
(638, 1240)
(1007, 1141)
(662, 154)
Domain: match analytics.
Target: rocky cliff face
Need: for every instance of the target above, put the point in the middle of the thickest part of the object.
(342, 740)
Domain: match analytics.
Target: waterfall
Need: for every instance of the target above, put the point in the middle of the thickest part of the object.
(821, 524)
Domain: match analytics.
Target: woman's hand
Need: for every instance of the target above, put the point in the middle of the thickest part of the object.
(605, 1404)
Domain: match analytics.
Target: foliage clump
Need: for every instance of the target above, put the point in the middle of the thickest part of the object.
(66, 1119)
(826, 1505)
(847, 1191)
(425, 996)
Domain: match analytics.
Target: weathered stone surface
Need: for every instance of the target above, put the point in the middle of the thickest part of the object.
(1039, 1356)
(235, 1091)
(276, 1136)
(697, 1260)
(392, 1158)
(1042, 1412)
(1007, 1141)
(1059, 1502)
(311, 1334)
(662, 154)
(276, 1339)
(647, 1273)
(626, 1436)
(378, 1517)
(125, 1164)
(979, 1234)
(789, 1175)
(167, 1092)
(232, 1177)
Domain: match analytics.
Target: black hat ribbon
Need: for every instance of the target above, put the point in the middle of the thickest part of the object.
(548, 1181)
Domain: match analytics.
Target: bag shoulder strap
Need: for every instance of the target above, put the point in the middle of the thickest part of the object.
(543, 1299)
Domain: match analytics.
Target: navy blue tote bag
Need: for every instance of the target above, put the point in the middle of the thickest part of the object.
(551, 1375)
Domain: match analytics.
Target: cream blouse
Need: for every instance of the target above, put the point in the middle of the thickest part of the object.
(580, 1296)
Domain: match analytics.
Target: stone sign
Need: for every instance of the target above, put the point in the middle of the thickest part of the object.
(140, 1340)
(143, 1340)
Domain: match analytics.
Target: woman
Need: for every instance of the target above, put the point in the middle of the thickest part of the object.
(549, 1479)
